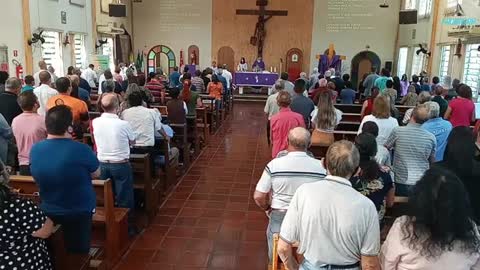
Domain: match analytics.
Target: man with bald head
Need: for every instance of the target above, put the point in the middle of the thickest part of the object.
(113, 138)
(414, 150)
(44, 92)
(282, 176)
(42, 65)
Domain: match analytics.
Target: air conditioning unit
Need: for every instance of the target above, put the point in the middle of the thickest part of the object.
(110, 30)
(465, 32)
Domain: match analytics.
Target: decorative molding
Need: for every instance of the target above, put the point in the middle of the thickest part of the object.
(78, 3)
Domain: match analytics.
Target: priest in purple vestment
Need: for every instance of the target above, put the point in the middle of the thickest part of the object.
(258, 65)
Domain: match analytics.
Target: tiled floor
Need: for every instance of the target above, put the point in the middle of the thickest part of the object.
(211, 221)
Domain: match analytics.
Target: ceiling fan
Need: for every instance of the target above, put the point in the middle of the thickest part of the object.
(36, 38)
(423, 50)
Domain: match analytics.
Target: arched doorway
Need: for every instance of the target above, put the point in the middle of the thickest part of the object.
(193, 55)
(362, 63)
(294, 63)
(226, 55)
(156, 59)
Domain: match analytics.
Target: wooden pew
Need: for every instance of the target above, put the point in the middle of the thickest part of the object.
(180, 140)
(344, 135)
(202, 124)
(318, 151)
(276, 263)
(162, 109)
(351, 117)
(144, 181)
(348, 126)
(112, 233)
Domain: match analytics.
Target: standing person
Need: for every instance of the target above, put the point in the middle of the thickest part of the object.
(382, 157)
(439, 97)
(336, 226)
(381, 82)
(325, 118)
(6, 136)
(460, 158)
(271, 106)
(391, 93)
(177, 108)
(113, 138)
(191, 98)
(83, 83)
(23, 233)
(242, 66)
(283, 122)
(42, 65)
(28, 129)
(65, 182)
(381, 116)
(3, 78)
(397, 85)
(282, 177)
(452, 92)
(51, 69)
(423, 97)
(215, 90)
(367, 106)
(8, 100)
(175, 78)
(461, 111)
(369, 82)
(289, 86)
(302, 104)
(361, 88)
(228, 77)
(416, 84)
(214, 66)
(79, 108)
(259, 65)
(78, 92)
(371, 180)
(156, 89)
(410, 99)
(438, 232)
(198, 82)
(29, 83)
(348, 95)
(44, 92)
(314, 77)
(90, 76)
(414, 151)
(404, 84)
(439, 127)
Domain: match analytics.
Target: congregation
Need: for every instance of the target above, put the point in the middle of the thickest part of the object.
(332, 207)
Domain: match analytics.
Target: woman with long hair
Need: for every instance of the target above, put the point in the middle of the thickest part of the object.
(22, 232)
(371, 181)
(404, 83)
(423, 97)
(367, 106)
(324, 119)
(397, 85)
(459, 157)
(242, 66)
(438, 232)
(461, 111)
(381, 115)
(215, 90)
(410, 99)
(191, 98)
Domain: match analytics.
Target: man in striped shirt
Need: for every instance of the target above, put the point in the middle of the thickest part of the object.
(283, 176)
(414, 151)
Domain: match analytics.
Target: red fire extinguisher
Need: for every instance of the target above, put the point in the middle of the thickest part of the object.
(18, 69)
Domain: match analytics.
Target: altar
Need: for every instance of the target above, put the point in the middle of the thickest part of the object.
(254, 79)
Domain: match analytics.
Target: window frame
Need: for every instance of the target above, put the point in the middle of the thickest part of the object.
(471, 50)
(414, 65)
(424, 8)
(82, 48)
(402, 62)
(57, 60)
(445, 58)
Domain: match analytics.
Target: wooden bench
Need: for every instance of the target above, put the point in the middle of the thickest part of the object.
(348, 126)
(143, 181)
(110, 227)
(180, 140)
(344, 135)
(351, 117)
(162, 109)
(275, 260)
(318, 151)
(202, 124)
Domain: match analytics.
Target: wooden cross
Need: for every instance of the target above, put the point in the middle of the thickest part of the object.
(331, 53)
(264, 15)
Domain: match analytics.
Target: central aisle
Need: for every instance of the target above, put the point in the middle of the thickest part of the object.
(211, 221)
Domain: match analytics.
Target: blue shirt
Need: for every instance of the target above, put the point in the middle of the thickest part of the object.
(348, 96)
(440, 128)
(175, 79)
(27, 88)
(61, 168)
(83, 95)
(223, 81)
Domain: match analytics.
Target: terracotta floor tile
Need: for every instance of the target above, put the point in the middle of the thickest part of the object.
(223, 261)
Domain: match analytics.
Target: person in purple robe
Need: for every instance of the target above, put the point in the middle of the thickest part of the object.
(259, 65)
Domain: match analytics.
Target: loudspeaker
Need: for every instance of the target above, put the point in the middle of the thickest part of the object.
(117, 10)
(408, 16)
(389, 65)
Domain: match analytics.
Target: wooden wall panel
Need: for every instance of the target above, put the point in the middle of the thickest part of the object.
(283, 33)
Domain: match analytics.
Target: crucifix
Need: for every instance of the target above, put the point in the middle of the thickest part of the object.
(264, 15)
(330, 59)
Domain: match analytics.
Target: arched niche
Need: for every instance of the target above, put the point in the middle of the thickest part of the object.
(193, 55)
(154, 59)
(294, 63)
(362, 64)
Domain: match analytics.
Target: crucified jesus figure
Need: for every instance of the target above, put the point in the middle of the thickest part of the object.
(260, 33)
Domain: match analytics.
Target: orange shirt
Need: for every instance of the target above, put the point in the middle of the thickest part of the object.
(77, 106)
(215, 90)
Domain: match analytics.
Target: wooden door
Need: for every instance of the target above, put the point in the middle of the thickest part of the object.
(226, 55)
(294, 63)
(364, 67)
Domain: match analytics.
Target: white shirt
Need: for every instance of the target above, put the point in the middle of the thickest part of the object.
(228, 76)
(385, 127)
(100, 81)
(242, 67)
(112, 137)
(36, 77)
(44, 93)
(334, 223)
(145, 122)
(90, 76)
(282, 176)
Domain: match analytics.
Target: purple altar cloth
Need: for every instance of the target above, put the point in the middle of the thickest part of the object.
(255, 79)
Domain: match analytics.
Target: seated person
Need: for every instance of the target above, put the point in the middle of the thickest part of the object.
(63, 170)
(283, 176)
(22, 233)
(439, 233)
(177, 109)
(371, 180)
(215, 90)
(28, 129)
(190, 96)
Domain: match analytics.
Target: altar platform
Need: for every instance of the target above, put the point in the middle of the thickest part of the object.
(256, 80)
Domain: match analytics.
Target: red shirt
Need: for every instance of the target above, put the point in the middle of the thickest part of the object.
(462, 111)
(280, 124)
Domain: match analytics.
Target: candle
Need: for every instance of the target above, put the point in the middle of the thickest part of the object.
(271, 69)
(275, 69)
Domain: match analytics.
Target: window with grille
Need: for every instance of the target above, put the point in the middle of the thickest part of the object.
(108, 49)
(417, 63)
(444, 62)
(424, 8)
(410, 4)
(402, 61)
(453, 3)
(471, 70)
(80, 53)
(52, 51)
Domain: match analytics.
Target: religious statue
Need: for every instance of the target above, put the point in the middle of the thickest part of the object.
(258, 38)
(193, 58)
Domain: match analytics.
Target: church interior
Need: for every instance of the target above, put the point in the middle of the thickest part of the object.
(239, 134)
